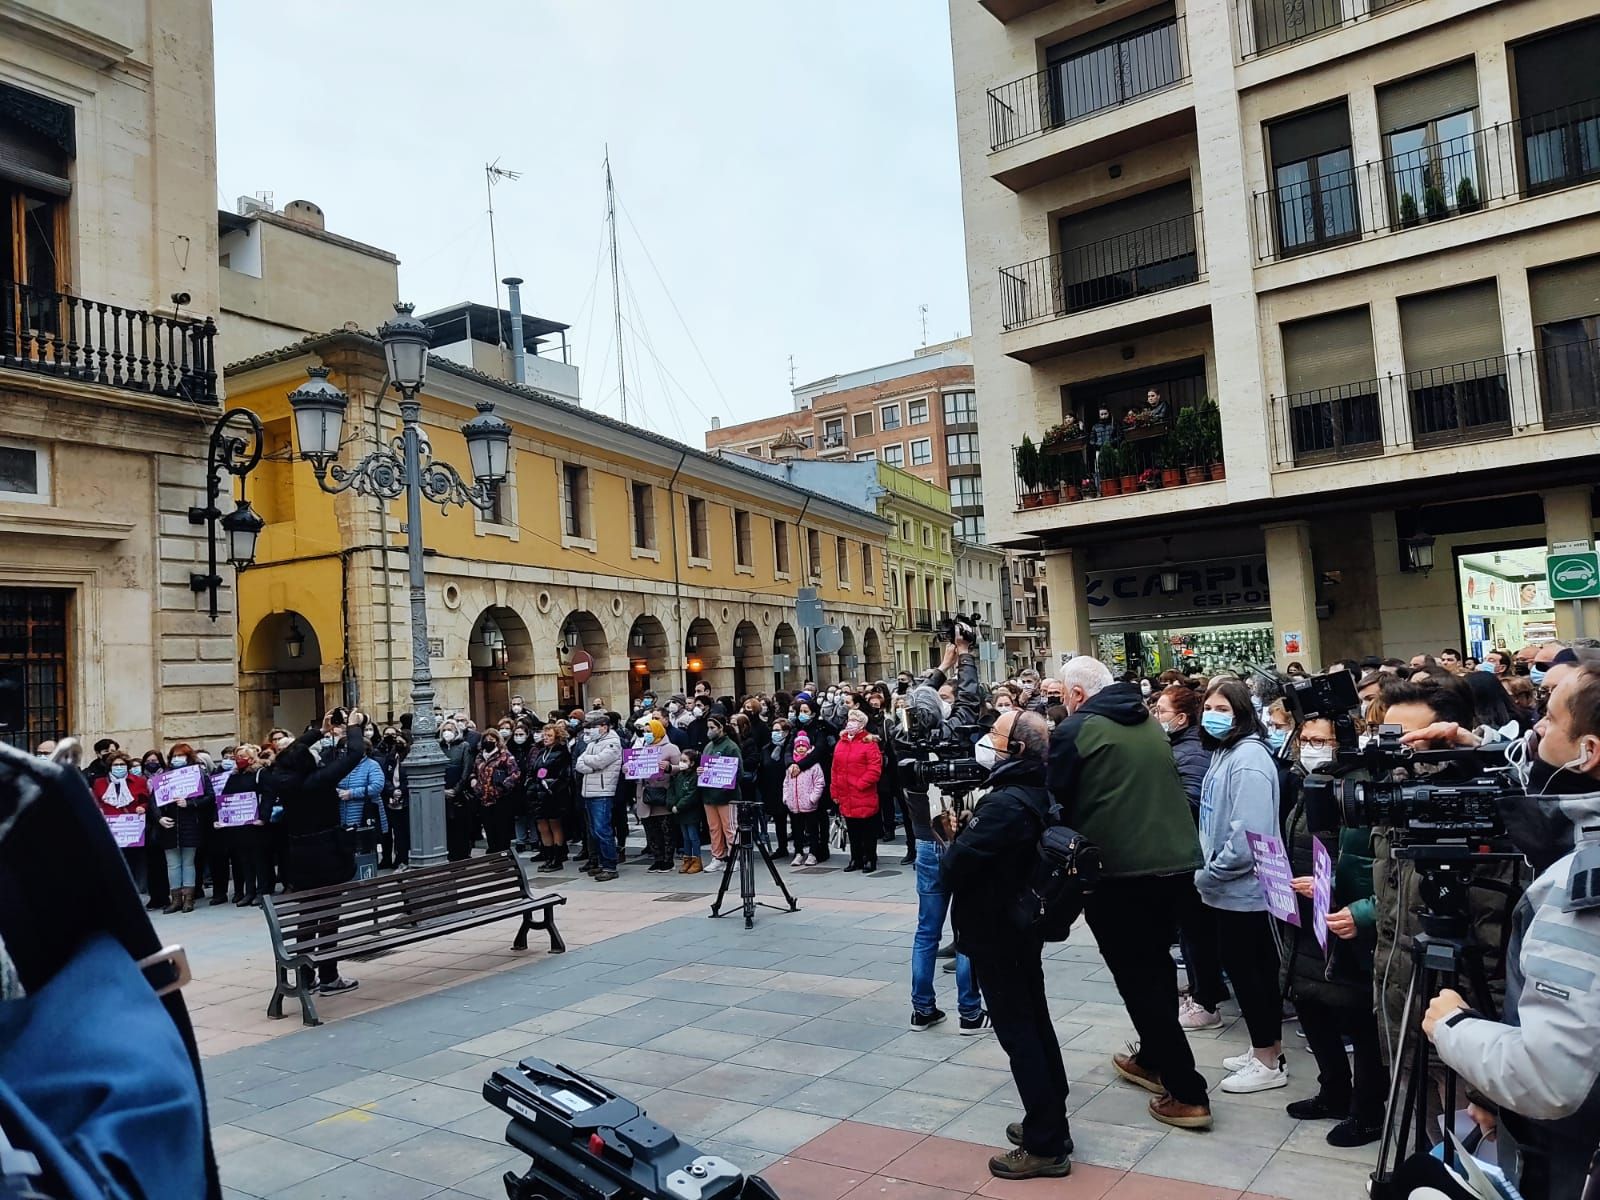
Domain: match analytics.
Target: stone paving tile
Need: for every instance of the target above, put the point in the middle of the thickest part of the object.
(627, 1030)
(913, 1112)
(778, 1130)
(797, 1003)
(440, 1062)
(944, 1162)
(358, 1181)
(653, 1068)
(749, 1020)
(1204, 1159)
(696, 1118)
(930, 1045)
(946, 1079)
(834, 1097)
(1134, 1186)
(292, 1114)
(442, 1158)
(488, 1124)
(798, 1057)
(1087, 1182)
(268, 1165)
(429, 1104)
(846, 1035)
(704, 1043)
(859, 1146)
(1119, 1146)
(749, 1158)
(365, 1090)
(983, 1124)
(753, 1085)
(880, 1070)
(354, 1133)
(796, 1179)
(881, 1187)
(1311, 1177)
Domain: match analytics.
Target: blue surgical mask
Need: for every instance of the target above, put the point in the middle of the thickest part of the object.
(647, 703)
(120, 771)
(180, 760)
(1277, 737)
(648, 737)
(572, 724)
(1218, 725)
(777, 737)
(804, 718)
(1536, 675)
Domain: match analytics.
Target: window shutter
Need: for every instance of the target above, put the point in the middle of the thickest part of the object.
(1556, 69)
(1566, 291)
(1422, 98)
(1455, 326)
(1125, 216)
(1309, 134)
(1328, 352)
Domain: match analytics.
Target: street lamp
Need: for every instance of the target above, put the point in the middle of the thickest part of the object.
(1419, 552)
(234, 449)
(405, 468)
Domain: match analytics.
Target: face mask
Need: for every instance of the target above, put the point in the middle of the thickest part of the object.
(519, 738)
(674, 708)
(180, 760)
(490, 751)
(518, 709)
(856, 728)
(152, 768)
(449, 735)
(647, 703)
(1144, 687)
(699, 710)
(242, 764)
(138, 771)
(647, 737)
(946, 708)
(120, 771)
(1314, 758)
(765, 709)
(804, 718)
(1276, 738)
(1217, 724)
(1536, 675)
(572, 724)
(1169, 727)
(986, 755)
(777, 737)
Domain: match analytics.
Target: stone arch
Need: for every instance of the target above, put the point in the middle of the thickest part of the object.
(649, 659)
(582, 630)
(500, 657)
(281, 676)
(849, 661)
(703, 657)
(784, 641)
(872, 659)
(748, 655)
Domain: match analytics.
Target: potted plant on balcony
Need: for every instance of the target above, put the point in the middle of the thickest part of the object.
(1433, 201)
(1108, 465)
(1150, 479)
(1171, 462)
(1028, 472)
(1467, 197)
(1186, 435)
(1049, 480)
(1128, 463)
(1064, 437)
(1409, 215)
(1211, 435)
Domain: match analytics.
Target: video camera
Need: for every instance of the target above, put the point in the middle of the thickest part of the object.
(955, 624)
(1361, 790)
(588, 1143)
(948, 765)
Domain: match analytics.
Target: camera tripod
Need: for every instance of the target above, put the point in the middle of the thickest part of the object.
(749, 838)
(1442, 956)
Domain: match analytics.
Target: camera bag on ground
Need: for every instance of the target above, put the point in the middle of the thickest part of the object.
(1064, 871)
(100, 1087)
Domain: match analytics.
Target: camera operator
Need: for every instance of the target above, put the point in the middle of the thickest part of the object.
(984, 869)
(1541, 1064)
(927, 726)
(1113, 775)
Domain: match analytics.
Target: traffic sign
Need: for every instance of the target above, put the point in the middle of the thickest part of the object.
(809, 613)
(1573, 576)
(829, 638)
(582, 664)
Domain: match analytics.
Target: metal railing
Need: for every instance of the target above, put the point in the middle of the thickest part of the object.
(832, 441)
(1502, 163)
(922, 619)
(1266, 25)
(1135, 263)
(1481, 399)
(50, 333)
(1101, 78)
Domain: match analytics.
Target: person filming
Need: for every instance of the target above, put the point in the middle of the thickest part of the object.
(1541, 1063)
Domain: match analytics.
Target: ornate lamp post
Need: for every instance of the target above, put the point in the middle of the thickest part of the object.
(406, 467)
(234, 449)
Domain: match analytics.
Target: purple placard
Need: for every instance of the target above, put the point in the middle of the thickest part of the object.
(218, 782)
(1275, 877)
(720, 771)
(1321, 891)
(641, 762)
(127, 829)
(237, 809)
(184, 783)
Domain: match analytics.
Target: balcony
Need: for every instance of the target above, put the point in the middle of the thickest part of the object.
(69, 337)
(922, 620)
(1070, 94)
(1502, 164)
(1009, 10)
(1267, 25)
(1152, 259)
(1473, 401)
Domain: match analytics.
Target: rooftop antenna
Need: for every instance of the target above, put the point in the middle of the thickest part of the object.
(791, 372)
(492, 174)
(922, 311)
(616, 297)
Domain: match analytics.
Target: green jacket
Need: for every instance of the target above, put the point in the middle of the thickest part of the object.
(1112, 773)
(726, 747)
(1341, 978)
(683, 794)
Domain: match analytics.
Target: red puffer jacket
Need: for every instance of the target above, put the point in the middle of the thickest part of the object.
(857, 764)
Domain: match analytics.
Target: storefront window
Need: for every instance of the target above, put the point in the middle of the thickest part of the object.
(1205, 650)
(1505, 601)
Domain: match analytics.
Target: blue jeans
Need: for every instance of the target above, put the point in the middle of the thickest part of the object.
(691, 838)
(602, 842)
(933, 903)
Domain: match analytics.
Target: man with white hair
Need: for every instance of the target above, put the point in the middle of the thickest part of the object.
(1113, 775)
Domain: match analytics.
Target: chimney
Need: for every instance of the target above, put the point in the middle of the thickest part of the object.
(716, 422)
(519, 362)
(305, 212)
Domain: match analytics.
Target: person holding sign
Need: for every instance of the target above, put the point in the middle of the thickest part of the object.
(1333, 989)
(716, 793)
(1239, 797)
(653, 804)
(548, 784)
(122, 795)
(242, 812)
(181, 791)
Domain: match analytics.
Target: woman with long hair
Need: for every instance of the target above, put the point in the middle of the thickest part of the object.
(179, 831)
(1239, 796)
(549, 791)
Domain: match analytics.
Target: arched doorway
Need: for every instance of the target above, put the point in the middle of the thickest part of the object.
(872, 651)
(702, 655)
(649, 660)
(788, 671)
(849, 661)
(500, 653)
(580, 631)
(746, 660)
(281, 676)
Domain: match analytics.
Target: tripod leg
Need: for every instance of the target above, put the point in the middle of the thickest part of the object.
(747, 882)
(1397, 1112)
(772, 866)
(727, 874)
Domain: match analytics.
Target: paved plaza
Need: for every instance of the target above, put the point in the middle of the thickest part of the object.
(785, 1048)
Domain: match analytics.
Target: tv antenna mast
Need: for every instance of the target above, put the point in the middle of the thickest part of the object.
(492, 174)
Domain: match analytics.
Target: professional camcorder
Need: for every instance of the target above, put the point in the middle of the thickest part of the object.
(947, 765)
(588, 1143)
(955, 624)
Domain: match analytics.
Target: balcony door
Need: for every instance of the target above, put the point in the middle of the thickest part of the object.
(1331, 410)
(1455, 364)
(1430, 133)
(1558, 101)
(36, 145)
(1566, 318)
(1113, 65)
(1313, 180)
(1141, 244)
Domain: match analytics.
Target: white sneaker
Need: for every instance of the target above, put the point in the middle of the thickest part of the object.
(1256, 1076)
(1192, 1015)
(1236, 1062)
(811, 860)
(799, 860)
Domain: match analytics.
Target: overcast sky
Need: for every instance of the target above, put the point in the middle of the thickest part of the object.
(789, 167)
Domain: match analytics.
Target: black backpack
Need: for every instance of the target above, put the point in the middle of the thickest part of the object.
(1065, 869)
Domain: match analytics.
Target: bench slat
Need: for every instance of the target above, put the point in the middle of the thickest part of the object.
(392, 902)
(358, 930)
(333, 896)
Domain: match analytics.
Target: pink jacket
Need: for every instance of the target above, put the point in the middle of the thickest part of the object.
(803, 793)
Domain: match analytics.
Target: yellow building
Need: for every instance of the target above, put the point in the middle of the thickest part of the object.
(922, 563)
(659, 562)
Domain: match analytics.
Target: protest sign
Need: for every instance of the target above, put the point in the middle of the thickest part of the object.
(641, 762)
(719, 771)
(1275, 876)
(127, 829)
(1321, 891)
(181, 784)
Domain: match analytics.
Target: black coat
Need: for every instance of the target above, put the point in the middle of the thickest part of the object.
(550, 794)
(1192, 760)
(993, 856)
(310, 799)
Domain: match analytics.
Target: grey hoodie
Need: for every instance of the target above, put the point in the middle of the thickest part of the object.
(1239, 795)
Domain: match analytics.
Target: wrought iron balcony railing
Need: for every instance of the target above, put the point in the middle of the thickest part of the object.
(51, 333)
(1136, 263)
(1104, 77)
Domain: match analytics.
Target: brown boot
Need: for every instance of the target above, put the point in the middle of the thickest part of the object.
(188, 899)
(1130, 1069)
(1171, 1111)
(694, 867)
(174, 901)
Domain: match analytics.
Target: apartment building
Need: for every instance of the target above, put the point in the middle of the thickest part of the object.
(1285, 314)
(108, 385)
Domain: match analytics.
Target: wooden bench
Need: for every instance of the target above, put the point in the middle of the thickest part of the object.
(373, 916)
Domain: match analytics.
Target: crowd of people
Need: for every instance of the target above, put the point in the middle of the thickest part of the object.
(1171, 776)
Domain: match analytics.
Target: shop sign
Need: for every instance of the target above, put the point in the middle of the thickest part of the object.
(1219, 586)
